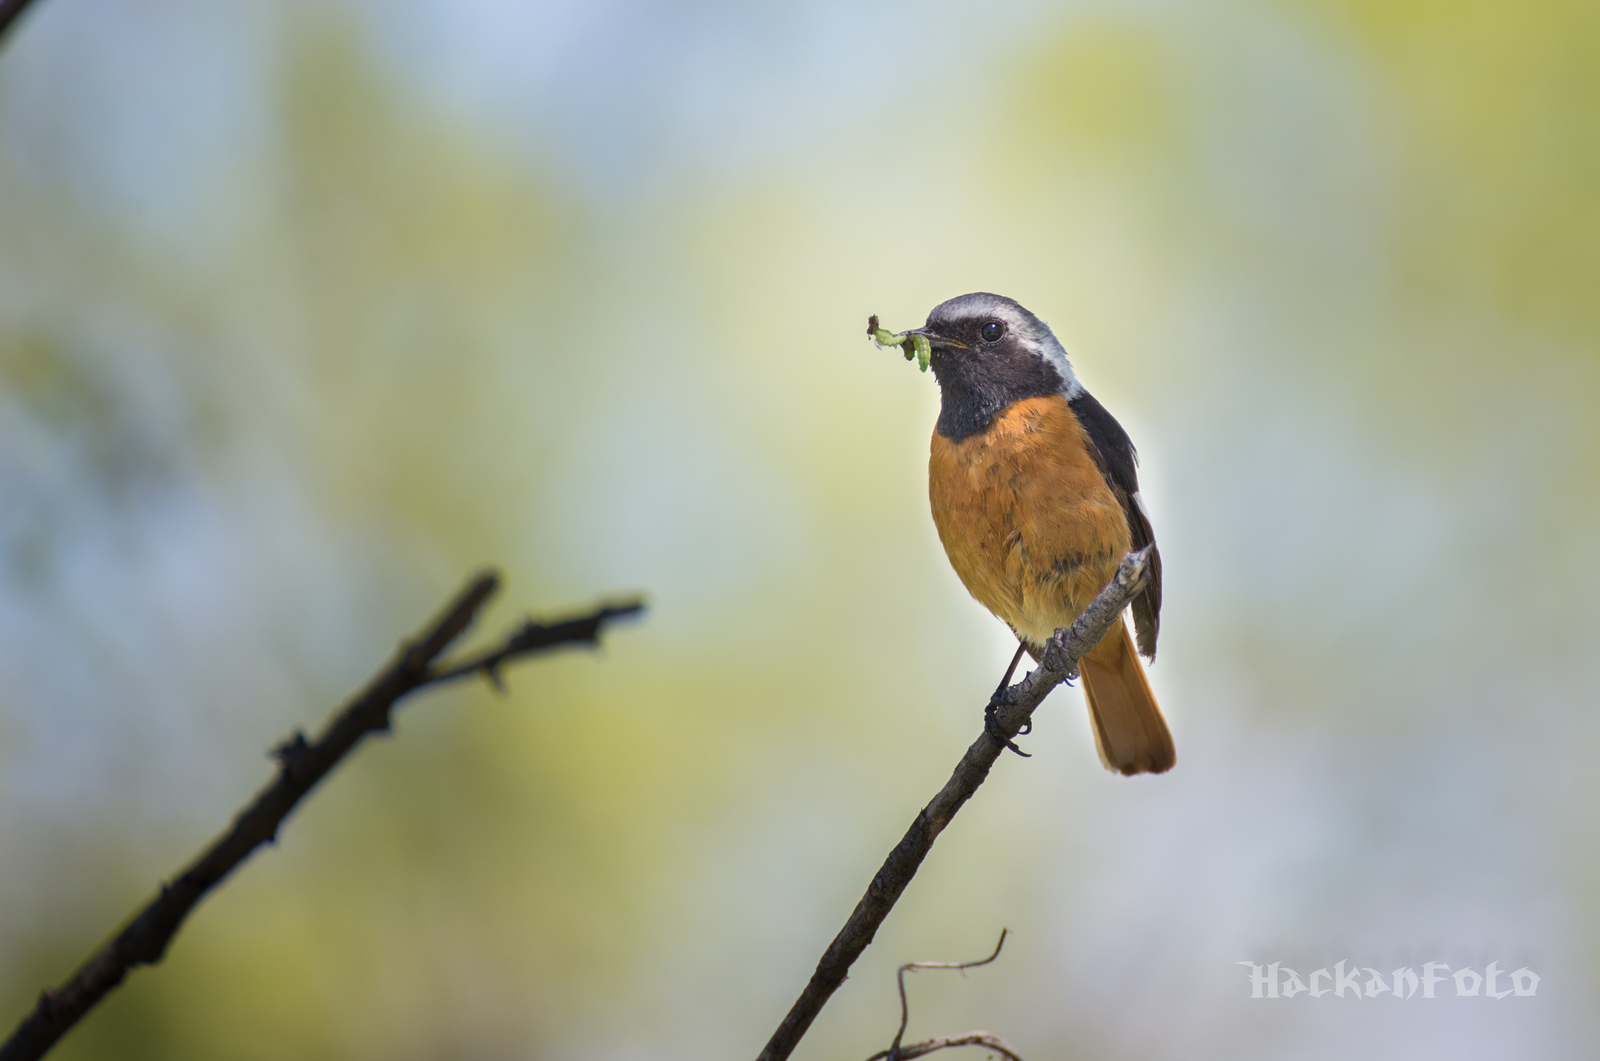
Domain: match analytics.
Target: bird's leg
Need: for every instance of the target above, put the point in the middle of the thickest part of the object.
(1005, 682)
(991, 723)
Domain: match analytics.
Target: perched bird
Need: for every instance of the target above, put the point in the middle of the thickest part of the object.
(1036, 500)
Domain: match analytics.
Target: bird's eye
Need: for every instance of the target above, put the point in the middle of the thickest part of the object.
(992, 331)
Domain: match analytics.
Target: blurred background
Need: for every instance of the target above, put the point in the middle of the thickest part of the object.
(308, 310)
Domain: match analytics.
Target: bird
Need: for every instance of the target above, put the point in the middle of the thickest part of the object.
(1035, 495)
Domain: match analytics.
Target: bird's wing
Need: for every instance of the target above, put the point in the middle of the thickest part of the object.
(1113, 451)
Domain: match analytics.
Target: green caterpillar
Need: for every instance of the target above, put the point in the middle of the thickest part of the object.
(915, 346)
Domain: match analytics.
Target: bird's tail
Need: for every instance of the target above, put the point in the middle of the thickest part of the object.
(1129, 732)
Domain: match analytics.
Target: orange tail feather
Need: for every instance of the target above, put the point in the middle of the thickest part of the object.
(1129, 732)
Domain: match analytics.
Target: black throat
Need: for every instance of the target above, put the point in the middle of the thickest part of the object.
(977, 385)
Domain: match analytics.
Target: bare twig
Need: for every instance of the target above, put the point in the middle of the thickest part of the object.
(531, 637)
(9, 10)
(1016, 707)
(946, 1042)
(895, 1052)
(301, 764)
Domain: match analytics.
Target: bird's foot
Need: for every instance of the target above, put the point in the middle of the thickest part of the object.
(991, 726)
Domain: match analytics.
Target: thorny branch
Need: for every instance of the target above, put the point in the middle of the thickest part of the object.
(1015, 707)
(896, 1052)
(301, 764)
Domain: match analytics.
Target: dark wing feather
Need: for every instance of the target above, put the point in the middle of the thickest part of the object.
(1114, 453)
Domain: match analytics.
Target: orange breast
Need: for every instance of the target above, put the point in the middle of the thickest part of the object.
(1026, 518)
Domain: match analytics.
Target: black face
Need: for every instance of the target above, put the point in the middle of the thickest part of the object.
(983, 367)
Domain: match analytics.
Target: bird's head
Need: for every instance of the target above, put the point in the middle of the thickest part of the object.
(988, 353)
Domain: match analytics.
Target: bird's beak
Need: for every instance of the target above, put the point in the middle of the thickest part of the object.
(938, 340)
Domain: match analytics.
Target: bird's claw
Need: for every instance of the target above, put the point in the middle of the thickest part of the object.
(991, 726)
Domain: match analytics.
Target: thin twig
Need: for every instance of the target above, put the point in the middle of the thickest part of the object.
(894, 1052)
(531, 637)
(945, 1042)
(1015, 708)
(301, 764)
(9, 10)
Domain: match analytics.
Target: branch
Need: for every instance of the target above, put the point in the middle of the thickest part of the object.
(1016, 707)
(9, 10)
(945, 1042)
(898, 1053)
(301, 765)
(530, 637)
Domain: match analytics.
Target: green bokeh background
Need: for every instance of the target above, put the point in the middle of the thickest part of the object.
(307, 310)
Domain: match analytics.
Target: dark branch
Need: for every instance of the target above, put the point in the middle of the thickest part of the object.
(9, 10)
(301, 764)
(1016, 707)
(531, 637)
